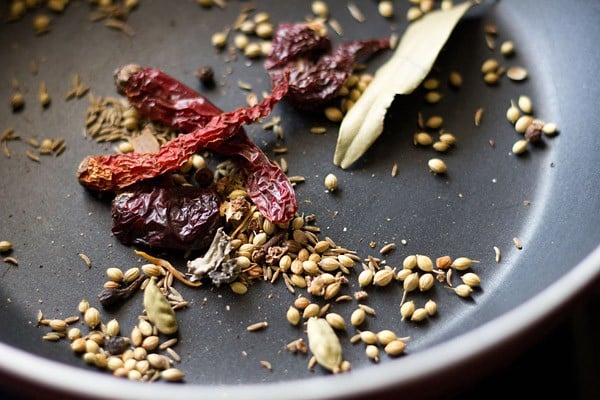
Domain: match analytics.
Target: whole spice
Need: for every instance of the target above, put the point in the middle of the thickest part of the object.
(206, 76)
(463, 290)
(43, 96)
(395, 348)
(166, 216)
(17, 101)
(386, 8)
(41, 24)
(158, 309)
(111, 296)
(331, 182)
(320, 9)
(431, 307)
(183, 108)
(314, 83)
(5, 246)
(410, 64)
(437, 166)
(419, 315)
(462, 263)
(324, 344)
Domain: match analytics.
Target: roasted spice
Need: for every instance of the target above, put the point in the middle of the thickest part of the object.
(324, 344)
(331, 182)
(158, 309)
(206, 76)
(5, 246)
(17, 101)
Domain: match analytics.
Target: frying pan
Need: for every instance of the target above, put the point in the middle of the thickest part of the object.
(547, 198)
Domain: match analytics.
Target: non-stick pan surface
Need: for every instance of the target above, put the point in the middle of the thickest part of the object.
(547, 198)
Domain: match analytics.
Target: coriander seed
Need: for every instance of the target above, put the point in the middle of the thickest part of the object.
(455, 79)
(419, 315)
(334, 114)
(520, 146)
(422, 138)
(41, 24)
(431, 307)
(365, 278)
(336, 321)
(490, 65)
(409, 262)
(358, 317)
(383, 277)
(507, 48)
(219, 39)
(462, 263)
(413, 14)
(386, 336)
(517, 73)
(463, 290)
(331, 182)
(549, 128)
(293, 315)
(434, 122)
(91, 317)
(522, 123)
(437, 166)
(525, 104)
(252, 50)
(320, 9)
(426, 282)
(17, 101)
(407, 309)
(395, 348)
(43, 96)
(513, 113)
(471, 279)
(424, 263)
(372, 352)
(386, 9)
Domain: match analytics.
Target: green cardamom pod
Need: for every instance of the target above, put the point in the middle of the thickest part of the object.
(158, 309)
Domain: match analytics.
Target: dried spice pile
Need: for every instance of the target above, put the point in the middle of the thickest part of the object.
(263, 237)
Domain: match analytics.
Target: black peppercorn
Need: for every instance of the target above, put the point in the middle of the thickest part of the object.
(116, 344)
(206, 76)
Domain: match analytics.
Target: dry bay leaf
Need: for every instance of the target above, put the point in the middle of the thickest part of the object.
(411, 62)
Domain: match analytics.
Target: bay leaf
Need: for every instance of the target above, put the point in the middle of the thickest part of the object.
(402, 74)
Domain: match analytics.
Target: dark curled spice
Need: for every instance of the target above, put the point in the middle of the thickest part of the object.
(259, 254)
(316, 74)
(116, 344)
(164, 99)
(110, 297)
(292, 41)
(173, 217)
(206, 76)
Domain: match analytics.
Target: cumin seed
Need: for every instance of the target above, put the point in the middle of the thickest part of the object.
(257, 326)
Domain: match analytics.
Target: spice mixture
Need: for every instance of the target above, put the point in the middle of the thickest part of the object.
(242, 214)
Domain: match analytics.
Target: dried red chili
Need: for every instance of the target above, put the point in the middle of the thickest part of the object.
(166, 216)
(315, 77)
(162, 98)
